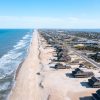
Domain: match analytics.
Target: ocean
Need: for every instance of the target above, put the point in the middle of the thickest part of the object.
(14, 45)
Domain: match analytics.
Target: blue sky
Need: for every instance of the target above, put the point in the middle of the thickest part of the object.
(49, 13)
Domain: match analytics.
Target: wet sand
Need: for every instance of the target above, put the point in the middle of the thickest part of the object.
(37, 81)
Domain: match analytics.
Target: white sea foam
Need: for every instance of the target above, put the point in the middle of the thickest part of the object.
(26, 36)
(22, 43)
(4, 86)
(8, 61)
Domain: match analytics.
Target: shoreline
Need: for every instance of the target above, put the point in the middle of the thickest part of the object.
(20, 85)
(36, 79)
(18, 69)
(21, 63)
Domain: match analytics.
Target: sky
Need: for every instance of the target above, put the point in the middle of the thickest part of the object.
(73, 14)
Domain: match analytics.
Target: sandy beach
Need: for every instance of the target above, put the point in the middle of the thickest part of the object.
(37, 81)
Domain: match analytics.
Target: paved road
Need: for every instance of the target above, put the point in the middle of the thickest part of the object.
(85, 58)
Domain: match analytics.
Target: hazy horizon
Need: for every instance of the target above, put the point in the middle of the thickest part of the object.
(63, 14)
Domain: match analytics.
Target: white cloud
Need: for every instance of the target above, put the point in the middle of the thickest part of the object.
(31, 22)
(47, 22)
(73, 19)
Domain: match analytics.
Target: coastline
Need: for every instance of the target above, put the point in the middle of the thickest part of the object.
(18, 69)
(21, 63)
(27, 62)
(36, 80)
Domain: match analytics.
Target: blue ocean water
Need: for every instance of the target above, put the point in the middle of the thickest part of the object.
(14, 44)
